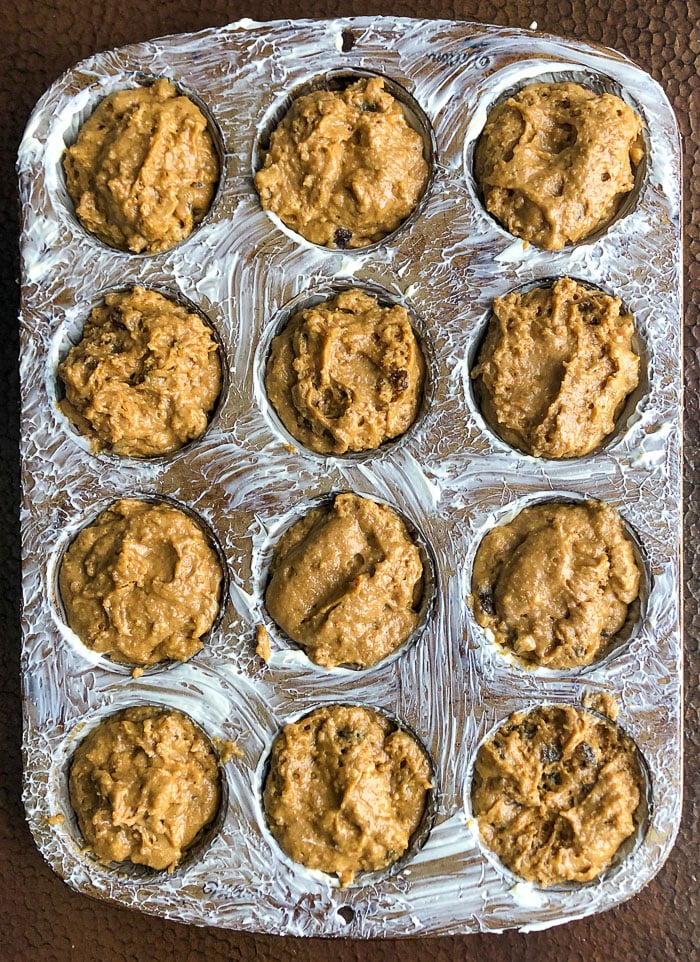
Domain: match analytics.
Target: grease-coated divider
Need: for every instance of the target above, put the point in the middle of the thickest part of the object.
(450, 477)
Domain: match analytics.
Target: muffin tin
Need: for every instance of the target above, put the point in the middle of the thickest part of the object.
(449, 476)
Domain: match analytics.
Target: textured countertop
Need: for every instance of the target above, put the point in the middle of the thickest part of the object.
(40, 918)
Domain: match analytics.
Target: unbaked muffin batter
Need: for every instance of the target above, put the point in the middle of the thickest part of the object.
(554, 161)
(555, 368)
(144, 377)
(141, 583)
(343, 168)
(143, 785)
(346, 582)
(554, 584)
(555, 793)
(347, 374)
(143, 170)
(346, 790)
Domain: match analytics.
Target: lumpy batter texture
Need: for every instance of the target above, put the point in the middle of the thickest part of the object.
(144, 377)
(346, 582)
(141, 583)
(143, 170)
(555, 160)
(555, 368)
(347, 374)
(343, 168)
(346, 790)
(555, 793)
(554, 584)
(143, 785)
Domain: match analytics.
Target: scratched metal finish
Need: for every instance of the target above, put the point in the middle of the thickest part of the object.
(449, 476)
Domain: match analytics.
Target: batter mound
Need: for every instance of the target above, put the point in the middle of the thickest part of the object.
(555, 368)
(555, 160)
(346, 582)
(143, 785)
(344, 168)
(554, 584)
(143, 170)
(141, 584)
(346, 790)
(555, 792)
(346, 375)
(145, 376)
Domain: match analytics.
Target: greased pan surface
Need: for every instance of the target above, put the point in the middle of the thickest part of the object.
(450, 477)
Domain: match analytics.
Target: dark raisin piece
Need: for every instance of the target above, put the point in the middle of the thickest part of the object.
(399, 380)
(351, 736)
(588, 754)
(528, 729)
(550, 781)
(550, 753)
(486, 602)
(342, 238)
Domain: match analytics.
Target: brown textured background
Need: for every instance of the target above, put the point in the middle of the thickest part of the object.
(40, 918)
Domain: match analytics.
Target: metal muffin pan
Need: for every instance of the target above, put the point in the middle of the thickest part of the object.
(450, 476)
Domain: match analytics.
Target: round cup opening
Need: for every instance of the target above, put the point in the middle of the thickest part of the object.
(631, 404)
(64, 133)
(616, 645)
(107, 662)
(338, 80)
(362, 877)
(641, 816)
(599, 84)
(126, 870)
(311, 298)
(426, 603)
(69, 336)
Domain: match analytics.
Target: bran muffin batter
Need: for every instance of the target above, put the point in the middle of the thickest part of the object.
(555, 160)
(145, 376)
(555, 583)
(343, 168)
(347, 374)
(143, 785)
(346, 582)
(555, 793)
(141, 583)
(555, 368)
(143, 170)
(346, 790)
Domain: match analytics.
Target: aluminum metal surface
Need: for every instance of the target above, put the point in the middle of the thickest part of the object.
(449, 476)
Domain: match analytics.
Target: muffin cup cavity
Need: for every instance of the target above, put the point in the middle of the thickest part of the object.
(501, 90)
(67, 820)
(627, 848)
(632, 404)
(362, 878)
(69, 335)
(64, 133)
(311, 298)
(105, 661)
(616, 646)
(427, 599)
(336, 80)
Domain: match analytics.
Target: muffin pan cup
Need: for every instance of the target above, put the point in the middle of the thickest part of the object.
(449, 477)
